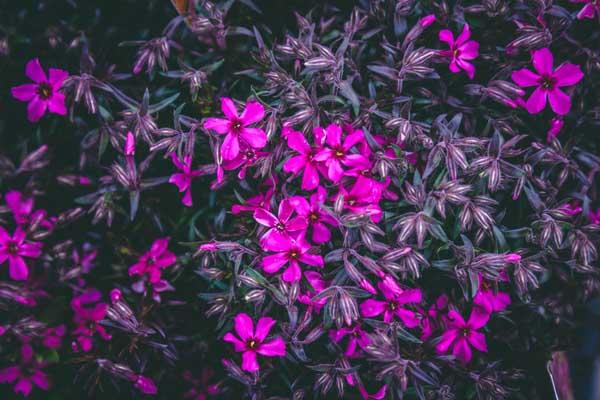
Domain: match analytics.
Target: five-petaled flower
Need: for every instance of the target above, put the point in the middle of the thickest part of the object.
(394, 304)
(236, 127)
(44, 93)
(26, 374)
(292, 251)
(548, 82)
(14, 248)
(250, 341)
(460, 335)
(183, 179)
(462, 50)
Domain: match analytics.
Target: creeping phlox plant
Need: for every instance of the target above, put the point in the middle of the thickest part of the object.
(364, 200)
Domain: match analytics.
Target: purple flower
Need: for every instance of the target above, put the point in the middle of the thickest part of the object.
(250, 341)
(357, 338)
(313, 213)
(338, 153)
(395, 299)
(236, 127)
(589, 10)
(462, 50)
(304, 161)
(460, 335)
(89, 311)
(292, 251)
(154, 261)
(183, 179)
(44, 93)
(548, 82)
(26, 374)
(14, 248)
(280, 226)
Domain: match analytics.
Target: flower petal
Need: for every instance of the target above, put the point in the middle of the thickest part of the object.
(567, 74)
(24, 92)
(446, 340)
(57, 77)
(462, 351)
(249, 362)
(255, 137)
(218, 125)
(372, 308)
(274, 262)
(253, 113)
(543, 61)
(56, 104)
(446, 36)
(274, 348)
(34, 71)
(17, 268)
(263, 327)
(231, 147)
(525, 78)
(477, 340)
(244, 327)
(559, 101)
(36, 109)
(537, 101)
(228, 108)
(238, 345)
(293, 273)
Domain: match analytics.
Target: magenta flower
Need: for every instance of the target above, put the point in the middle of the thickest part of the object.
(236, 127)
(364, 197)
(183, 179)
(313, 213)
(460, 335)
(261, 200)
(245, 159)
(14, 248)
(280, 226)
(338, 153)
(589, 10)
(491, 300)
(89, 311)
(44, 93)
(395, 299)
(357, 338)
(250, 341)
(304, 162)
(318, 284)
(290, 251)
(52, 337)
(26, 374)
(548, 82)
(154, 261)
(23, 212)
(462, 50)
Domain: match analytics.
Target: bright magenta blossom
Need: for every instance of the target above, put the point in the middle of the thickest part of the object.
(393, 305)
(364, 197)
(462, 50)
(339, 152)
(292, 251)
(280, 226)
(251, 341)
(44, 93)
(357, 339)
(589, 10)
(14, 248)
(150, 267)
(548, 82)
(26, 374)
(314, 215)
(460, 336)
(89, 311)
(236, 127)
(183, 179)
(304, 161)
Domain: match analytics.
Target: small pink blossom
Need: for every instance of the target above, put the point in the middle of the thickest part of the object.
(548, 82)
(364, 197)
(316, 217)
(461, 51)
(27, 374)
(261, 200)
(589, 10)
(14, 249)
(150, 266)
(22, 209)
(236, 127)
(245, 159)
(339, 152)
(491, 300)
(460, 335)
(52, 337)
(89, 311)
(304, 161)
(318, 284)
(280, 226)
(357, 339)
(250, 341)
(183, 179)
(393, 305)
(44, 93)
(291, 251)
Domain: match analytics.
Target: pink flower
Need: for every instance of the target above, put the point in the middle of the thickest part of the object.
(26, 374)
(14, 248)
(52, 337)
(317, 218)
(261, 200)
(250, 341)
(318, 284)
(23, 212)
(154, 261)
(183, 179)
(280, 226)
(43, 93)
(462, 50)
(89, 311)
(357, 338)
(364, 197)
(290, 251)
(395, 298)
(245, 159)
(548, 82)
(591, 8)
(338, 153)
(304, 162)
(491, 300)
(460, 335)
(236, 127)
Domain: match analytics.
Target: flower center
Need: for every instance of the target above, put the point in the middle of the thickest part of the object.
(294, 254)
(465, 332)
(351, 201)
(252, 344)
(313, 217)
(339, 153)
(392, 305)
(455, 53)
(547, 82)
(236, 126)
(280, 227)
(44, 90)
(12, 247)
